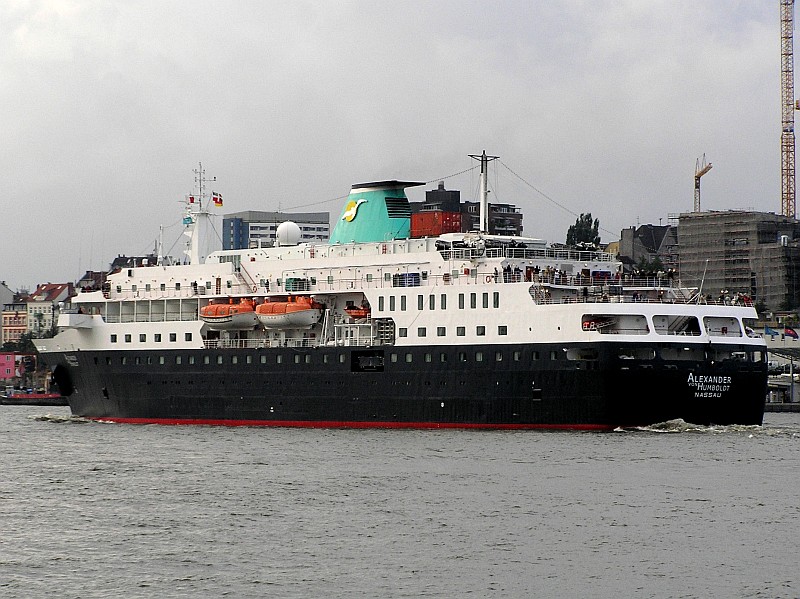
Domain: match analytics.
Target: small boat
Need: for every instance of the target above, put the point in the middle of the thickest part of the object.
(358, 312)
(289, 312)
(33, 399)
(231, 316)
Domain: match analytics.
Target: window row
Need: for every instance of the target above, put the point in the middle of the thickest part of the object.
(440, 303)
(128, 338)
(480, 331)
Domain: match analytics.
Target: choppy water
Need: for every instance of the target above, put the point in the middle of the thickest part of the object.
(97, 510)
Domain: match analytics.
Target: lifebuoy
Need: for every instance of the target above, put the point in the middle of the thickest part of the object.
(255, 288)
(488, 278)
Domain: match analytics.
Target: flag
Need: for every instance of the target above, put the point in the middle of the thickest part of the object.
(191, 199)
(769, 331)
(790, 332)
(216, 198)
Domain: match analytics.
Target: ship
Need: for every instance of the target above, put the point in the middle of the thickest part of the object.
(378, 328)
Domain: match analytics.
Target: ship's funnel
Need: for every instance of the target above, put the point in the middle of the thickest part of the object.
(375, 212)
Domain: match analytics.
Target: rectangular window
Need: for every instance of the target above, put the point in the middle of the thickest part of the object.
(473, 300)
(462, 356)
(502, 330)
(443, 357)
(479, 356)
(409, 357)
(369, 277)
(421, 331)
(206, 359)
(147, 287)
(485, 300)
(142, 337)
(127, 338)
(113, 338)
(219, 359)
(461, 331)
(391, 303)
(402, 303)
(498, 356)
(380, 303)
(134, 288)
(173, 337)
(177, 359)
(517, 356)
(460, 301)
(443, 301)
(234, 359)
(393, 358)
(429, 357)
(163, 286)
(157, 337)
(535, 355)
(496, 299)
(480, 330)
(420, 302)
(402, 332)
(330, 279)
(263, 359)
(554, 355)
(432, 302)
(161, 359)
(191, 359)
(441, 331)
(297, 358)
(249, 359)
(177, 286)
(187, 336)
(279, 359)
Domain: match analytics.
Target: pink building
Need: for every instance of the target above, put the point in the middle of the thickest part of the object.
(9, 367)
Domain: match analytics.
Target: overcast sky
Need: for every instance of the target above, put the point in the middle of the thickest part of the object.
(603, 106)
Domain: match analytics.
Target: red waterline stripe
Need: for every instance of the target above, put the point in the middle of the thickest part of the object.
(349, 424)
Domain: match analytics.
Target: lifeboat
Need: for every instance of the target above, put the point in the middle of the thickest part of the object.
(231, 316)
(290, 312)
(358, 312)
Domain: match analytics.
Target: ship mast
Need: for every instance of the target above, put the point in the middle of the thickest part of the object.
(197, 215)
(483, 224)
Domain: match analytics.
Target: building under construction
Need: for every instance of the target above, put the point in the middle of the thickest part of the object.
(755, 253)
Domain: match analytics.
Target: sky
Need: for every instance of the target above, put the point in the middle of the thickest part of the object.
(600, 106)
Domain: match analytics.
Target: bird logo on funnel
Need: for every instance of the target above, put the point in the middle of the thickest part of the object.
(351, 209)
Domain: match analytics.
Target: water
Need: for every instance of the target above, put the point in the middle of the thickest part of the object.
(96, 510)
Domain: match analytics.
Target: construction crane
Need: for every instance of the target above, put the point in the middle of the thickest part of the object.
(788, 106)
(700, 169)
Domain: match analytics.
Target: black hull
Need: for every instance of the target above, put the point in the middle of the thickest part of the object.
(437, 386)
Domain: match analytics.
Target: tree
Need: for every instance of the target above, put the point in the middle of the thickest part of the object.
(584, 230)
(649, 268)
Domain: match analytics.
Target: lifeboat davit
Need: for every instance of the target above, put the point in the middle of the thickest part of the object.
(290, 312)
(239, 315)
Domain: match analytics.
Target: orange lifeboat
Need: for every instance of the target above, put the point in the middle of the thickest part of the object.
(290, 312)
(231, 316)
(358, 312)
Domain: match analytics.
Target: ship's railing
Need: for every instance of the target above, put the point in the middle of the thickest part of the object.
(288, 342)
(520, 253)
(623, 299)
